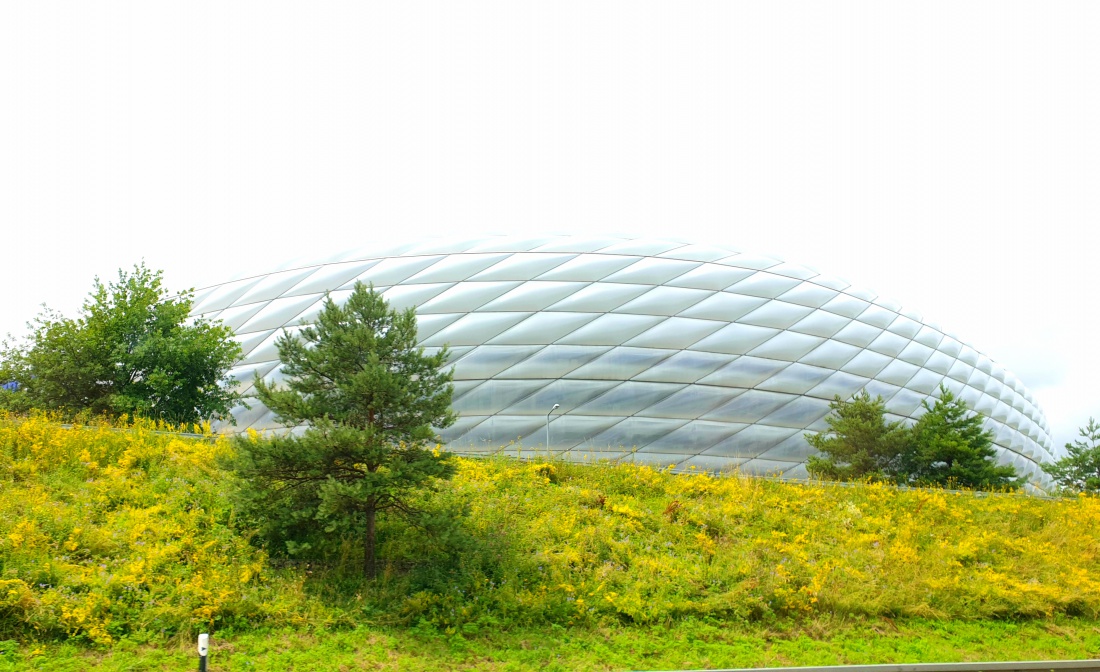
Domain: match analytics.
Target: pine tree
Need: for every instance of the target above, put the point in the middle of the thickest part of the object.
(1080, 469)
(951, 449)
(860, 443)
(370, 400)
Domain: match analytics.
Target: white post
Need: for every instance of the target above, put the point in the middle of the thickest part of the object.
(204, 647)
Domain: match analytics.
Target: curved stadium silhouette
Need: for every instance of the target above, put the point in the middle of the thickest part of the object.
(686, 355)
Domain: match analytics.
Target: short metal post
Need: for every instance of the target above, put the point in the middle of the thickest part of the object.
(548, 427)
(204, 646)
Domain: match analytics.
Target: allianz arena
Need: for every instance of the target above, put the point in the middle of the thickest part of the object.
(667, 352)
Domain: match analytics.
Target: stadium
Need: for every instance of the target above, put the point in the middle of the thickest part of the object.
(654, 350)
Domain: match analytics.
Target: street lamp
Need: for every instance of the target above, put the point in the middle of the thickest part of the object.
(548, 426)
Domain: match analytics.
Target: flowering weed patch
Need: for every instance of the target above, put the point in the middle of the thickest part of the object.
(112, 533)
(636, 545)
(106, 533)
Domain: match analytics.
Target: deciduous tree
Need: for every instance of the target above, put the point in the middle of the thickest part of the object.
(133, 350)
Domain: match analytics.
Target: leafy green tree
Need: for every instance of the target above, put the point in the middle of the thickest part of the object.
(369, 398)
(951, 449)
(12, 399)
(859, 443)
(1080, 469)
(133, 350)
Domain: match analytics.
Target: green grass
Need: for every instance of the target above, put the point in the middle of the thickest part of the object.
(687, 645)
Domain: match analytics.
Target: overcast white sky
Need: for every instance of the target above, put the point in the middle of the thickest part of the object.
(943, 154)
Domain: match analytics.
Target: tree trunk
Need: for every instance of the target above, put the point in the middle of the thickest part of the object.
(369, 564)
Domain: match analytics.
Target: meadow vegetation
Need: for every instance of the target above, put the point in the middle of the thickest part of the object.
(128, 534)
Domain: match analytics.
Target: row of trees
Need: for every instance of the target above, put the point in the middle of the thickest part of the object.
(946, 447)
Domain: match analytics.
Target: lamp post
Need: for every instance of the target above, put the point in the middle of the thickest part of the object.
(548, 427)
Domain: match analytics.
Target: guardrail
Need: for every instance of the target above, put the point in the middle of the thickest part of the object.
(1017, 666)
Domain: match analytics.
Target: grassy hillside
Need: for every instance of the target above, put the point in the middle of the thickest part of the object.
(132, 536)
(105, 533)
(636, 545)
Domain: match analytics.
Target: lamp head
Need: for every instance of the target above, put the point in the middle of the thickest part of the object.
(555, 406)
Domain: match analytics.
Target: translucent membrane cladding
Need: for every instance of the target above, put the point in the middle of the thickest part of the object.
(672, 353)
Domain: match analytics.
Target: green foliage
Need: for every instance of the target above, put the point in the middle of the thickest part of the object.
(12, 400)
(951, 449)
(860, 443)
(369, 397)
(133, 351)
(1079, 470)
(681, 644)
(947, 447)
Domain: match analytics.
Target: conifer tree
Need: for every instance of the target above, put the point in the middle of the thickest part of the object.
(1080, 469)
(951, 449)
(369, 400)
(860, 443)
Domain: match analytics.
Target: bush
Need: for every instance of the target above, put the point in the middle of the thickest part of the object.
(589, 545)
